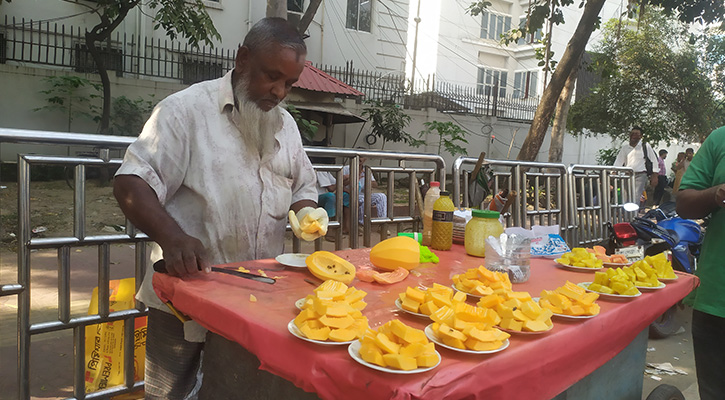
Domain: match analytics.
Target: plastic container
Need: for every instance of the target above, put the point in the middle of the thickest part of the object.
(510, 253)
(433, 193)
(442, 232)
(415, 235)
(484, 223)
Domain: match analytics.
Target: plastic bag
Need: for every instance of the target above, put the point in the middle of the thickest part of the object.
(104, 342)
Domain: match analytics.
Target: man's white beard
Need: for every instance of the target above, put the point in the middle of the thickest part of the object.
(256, 126)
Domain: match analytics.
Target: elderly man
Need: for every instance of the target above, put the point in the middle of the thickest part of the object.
(639, 156)
(211, 180)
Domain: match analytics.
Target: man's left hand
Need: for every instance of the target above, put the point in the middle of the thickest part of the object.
(309, 223)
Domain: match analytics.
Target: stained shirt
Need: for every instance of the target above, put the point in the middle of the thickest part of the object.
(217, 188)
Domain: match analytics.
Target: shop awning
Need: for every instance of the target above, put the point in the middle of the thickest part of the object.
(340, 115)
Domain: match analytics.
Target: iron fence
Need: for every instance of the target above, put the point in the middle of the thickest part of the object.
(53, 44)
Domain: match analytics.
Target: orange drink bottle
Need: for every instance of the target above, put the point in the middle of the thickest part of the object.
(442, 232)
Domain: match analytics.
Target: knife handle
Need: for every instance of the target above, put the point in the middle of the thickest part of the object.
(160, 266)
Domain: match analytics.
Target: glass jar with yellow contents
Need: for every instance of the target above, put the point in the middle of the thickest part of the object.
(484, 223)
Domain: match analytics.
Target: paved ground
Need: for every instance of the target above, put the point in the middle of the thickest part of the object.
(51, 358)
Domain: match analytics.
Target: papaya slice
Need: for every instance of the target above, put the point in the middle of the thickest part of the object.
(599, 250)
(388, 278)
(326, 265)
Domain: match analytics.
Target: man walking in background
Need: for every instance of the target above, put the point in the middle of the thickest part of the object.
(639, 156)
(661, 177)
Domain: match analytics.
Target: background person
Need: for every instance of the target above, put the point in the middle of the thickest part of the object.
(632, 154)
(379, 201)
(211, 179)
(661, 177)
(679, 168)
(702, 193)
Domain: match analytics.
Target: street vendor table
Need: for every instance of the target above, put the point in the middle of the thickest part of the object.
(532, 367)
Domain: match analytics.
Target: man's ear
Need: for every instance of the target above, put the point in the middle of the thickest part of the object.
(242, 57)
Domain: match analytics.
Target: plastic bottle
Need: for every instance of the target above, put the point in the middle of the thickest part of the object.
(442, 232)
(433, 193)
(484, 223)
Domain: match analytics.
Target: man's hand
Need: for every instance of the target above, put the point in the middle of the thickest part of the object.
(653, 180)
(720, 195)
(184, 255)
(309, 223)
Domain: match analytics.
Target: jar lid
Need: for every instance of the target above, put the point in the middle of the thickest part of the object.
(445, 193)
(435, 183)
(485, 213)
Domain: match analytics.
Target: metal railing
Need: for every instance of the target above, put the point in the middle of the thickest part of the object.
(79, 238)
(549, 194)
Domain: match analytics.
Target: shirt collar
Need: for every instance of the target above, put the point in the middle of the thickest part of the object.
(226, 92)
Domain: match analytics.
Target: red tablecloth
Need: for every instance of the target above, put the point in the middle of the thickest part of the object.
(533, 367)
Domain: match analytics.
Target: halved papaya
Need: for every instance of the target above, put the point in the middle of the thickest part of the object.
(326, 265)
(399, 251)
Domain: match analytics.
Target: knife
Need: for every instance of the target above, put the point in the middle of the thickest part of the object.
(160, 266)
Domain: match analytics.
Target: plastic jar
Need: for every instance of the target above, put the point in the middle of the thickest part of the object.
(484, 223)
(433, 193)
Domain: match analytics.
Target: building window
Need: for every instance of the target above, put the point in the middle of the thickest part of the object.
(489, 80)
(531, 38)
(194, 70)
(494, 25)
(525, 84)
(112, 59)
(296, 5)
(358, 15)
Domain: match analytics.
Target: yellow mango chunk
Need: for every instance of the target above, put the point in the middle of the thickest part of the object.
(400, 362)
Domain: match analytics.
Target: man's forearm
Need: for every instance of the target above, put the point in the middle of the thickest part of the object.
(296, 207)
(693, 203)
(141, 206)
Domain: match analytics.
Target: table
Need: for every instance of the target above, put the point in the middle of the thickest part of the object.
(533, 367)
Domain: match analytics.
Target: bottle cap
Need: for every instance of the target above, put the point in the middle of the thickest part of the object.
(445, 193)
(485, 214)
(415, 235)
(435, 183)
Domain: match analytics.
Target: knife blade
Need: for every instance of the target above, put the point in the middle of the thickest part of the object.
(160, 266)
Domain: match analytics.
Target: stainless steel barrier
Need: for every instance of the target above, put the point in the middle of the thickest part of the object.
(596, 196)
(79, 238)
(541, 190)
(555, 194)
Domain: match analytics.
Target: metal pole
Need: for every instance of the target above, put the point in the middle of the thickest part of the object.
(415, 49)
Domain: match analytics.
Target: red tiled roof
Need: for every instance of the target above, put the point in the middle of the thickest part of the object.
(317, 80)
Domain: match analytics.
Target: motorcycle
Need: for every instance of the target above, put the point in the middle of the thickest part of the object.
(643, 237)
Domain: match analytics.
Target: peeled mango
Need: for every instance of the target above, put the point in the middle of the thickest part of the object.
(326, 265)
(399, 251)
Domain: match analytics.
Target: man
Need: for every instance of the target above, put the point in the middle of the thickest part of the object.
(211, 179)
(639, 156)
(702, 193)
(661, 177)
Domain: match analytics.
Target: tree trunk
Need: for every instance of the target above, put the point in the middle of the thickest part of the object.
(91, 39)
(309, 14)
(556, 147)
(569, 60)
(277, 8)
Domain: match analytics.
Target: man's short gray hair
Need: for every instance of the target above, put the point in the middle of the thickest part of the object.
(269, 31)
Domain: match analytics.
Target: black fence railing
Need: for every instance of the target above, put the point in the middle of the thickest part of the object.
(57, 45)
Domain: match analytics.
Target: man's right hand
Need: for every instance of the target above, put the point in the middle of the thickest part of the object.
(184, 255)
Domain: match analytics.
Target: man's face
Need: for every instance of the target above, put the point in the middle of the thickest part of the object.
(663, 156)
(270, 73)
(634, 136)
(689, 154)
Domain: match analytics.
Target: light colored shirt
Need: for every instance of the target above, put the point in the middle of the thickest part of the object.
(216, 187)
(663, 168)
(324, 179)
(361, 181)
(633, 157)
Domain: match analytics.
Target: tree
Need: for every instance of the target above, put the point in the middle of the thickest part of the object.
(388, 122)
(451, 137)
(706, 11)
(71, 95)
(650, 77)
(278, 8)
(185, 18)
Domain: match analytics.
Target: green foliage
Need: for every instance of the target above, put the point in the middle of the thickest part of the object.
(307, 128)
(128, 116)
(451, 137)
(650, 77)
(73, 96)
(388, 121)
(606, 156)
(185, 18)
